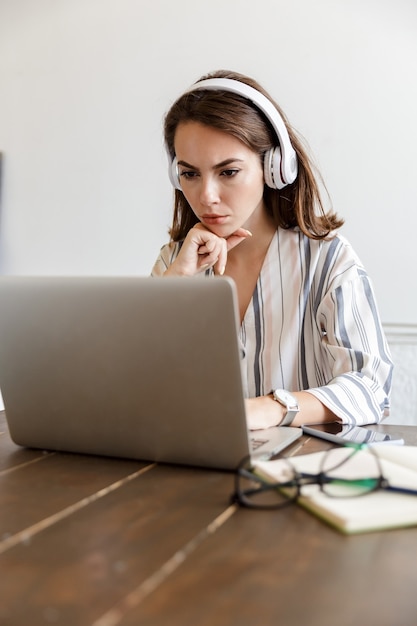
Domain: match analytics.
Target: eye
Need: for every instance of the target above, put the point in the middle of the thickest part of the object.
(229, 173)
(188, 174)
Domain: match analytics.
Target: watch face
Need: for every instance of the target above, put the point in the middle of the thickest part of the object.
(287, 397)
(284, 397)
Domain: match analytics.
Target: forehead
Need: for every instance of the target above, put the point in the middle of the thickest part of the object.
(193, 139)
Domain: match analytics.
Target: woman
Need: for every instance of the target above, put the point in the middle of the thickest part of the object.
(247, 205)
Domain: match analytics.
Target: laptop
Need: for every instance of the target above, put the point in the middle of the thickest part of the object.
(134, 367)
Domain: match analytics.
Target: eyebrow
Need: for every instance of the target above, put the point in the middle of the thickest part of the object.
(215, 167)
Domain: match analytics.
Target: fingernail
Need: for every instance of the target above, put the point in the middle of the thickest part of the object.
(249, 233)
(222, 270)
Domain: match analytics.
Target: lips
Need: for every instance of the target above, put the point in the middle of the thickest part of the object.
(213, 219)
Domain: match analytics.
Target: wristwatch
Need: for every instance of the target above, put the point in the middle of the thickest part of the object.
(286, 399)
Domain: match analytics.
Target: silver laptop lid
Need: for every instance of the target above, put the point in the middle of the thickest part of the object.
(146, 368)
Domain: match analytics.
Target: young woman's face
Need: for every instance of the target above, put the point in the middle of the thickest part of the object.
(221, 178)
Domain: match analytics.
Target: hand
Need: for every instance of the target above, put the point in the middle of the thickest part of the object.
(263, 412)
(203, 249)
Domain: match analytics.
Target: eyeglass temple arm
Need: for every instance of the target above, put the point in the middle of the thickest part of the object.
(411, 492)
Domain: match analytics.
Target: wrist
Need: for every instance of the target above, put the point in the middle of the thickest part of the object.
(172, 270)
(279, 410)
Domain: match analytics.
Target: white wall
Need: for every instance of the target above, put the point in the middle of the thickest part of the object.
(403, 343)
(84, 85)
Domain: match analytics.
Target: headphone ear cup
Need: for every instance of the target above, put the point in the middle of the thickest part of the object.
(272, 169)
(173, 174)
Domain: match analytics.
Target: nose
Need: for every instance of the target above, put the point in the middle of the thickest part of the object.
(209, 193)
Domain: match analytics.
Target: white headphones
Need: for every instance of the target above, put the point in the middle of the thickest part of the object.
(280, 163)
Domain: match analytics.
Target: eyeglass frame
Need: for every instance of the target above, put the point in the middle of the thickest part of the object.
(301, 479)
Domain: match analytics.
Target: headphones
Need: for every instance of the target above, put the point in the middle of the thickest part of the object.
(280, 163)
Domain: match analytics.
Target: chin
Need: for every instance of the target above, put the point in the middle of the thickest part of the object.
(223, 231)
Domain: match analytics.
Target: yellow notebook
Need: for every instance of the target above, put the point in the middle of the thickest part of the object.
(378, 510)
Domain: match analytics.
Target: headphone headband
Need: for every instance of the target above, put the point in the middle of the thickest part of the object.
(280, 163)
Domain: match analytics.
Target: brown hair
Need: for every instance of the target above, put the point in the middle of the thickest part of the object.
(298, 204)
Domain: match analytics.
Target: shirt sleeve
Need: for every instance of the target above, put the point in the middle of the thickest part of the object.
(166, 257)
(353, 342)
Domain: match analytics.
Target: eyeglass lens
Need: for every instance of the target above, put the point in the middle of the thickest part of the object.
(349, 472)
(252, 491)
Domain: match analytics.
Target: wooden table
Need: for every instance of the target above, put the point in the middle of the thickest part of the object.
(109, 542)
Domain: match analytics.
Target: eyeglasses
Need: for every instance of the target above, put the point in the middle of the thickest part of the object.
(339, 476)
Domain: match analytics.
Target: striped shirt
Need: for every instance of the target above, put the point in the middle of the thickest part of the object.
(313, 325)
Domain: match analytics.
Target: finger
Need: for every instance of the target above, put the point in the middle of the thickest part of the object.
(233, 240)
(212, 258)
(237, 237)
(205, 262)
(208, 246)
(220, 266)
(242, 232)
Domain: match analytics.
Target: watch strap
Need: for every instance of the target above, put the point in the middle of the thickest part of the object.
(289, 417)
